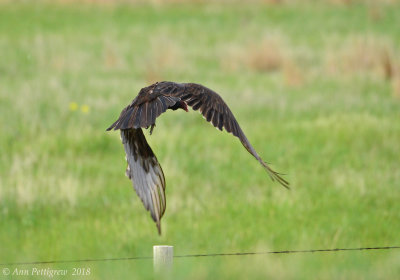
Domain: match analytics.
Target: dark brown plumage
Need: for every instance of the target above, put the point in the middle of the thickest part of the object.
(143, 168)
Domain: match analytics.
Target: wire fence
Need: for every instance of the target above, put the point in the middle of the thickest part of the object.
(210, 255)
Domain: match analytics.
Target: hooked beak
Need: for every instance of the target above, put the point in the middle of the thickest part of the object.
(184, 106)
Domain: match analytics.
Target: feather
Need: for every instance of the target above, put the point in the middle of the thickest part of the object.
(145, 172)
(143, 168)
(136, 117)
(191, 102)
(215, 119)
(132, 117)
(209, 115)
(197, 105)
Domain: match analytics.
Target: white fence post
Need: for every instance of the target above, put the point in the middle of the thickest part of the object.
(163, 256)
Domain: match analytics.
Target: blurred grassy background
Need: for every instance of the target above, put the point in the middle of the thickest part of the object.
(314, 85)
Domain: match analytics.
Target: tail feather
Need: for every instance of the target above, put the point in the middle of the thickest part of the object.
(145, 173)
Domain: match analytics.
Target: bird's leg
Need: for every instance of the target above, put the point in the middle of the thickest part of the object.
(152, 127)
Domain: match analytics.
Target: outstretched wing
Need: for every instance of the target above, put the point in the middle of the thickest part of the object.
(215, 111)
(143, 113)
(145, 172)
(143, 167)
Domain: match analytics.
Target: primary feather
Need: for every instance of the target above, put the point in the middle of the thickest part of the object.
(143, 168)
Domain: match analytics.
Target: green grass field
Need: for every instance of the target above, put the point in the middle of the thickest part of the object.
(315, 87)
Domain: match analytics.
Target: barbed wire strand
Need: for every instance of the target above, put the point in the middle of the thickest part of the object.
(290, 252)
(210, 255)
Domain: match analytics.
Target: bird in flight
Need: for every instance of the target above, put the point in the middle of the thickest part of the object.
(143, 167)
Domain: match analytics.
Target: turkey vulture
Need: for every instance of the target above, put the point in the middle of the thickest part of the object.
(143, 167)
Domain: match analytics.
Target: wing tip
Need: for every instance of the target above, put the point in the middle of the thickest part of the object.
(116, 125)
(276, 176)
(110, 127)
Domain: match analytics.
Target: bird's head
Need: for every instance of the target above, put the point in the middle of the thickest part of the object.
(184, 106)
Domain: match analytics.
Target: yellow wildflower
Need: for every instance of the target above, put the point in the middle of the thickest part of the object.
(73, 106)
(85, 109)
